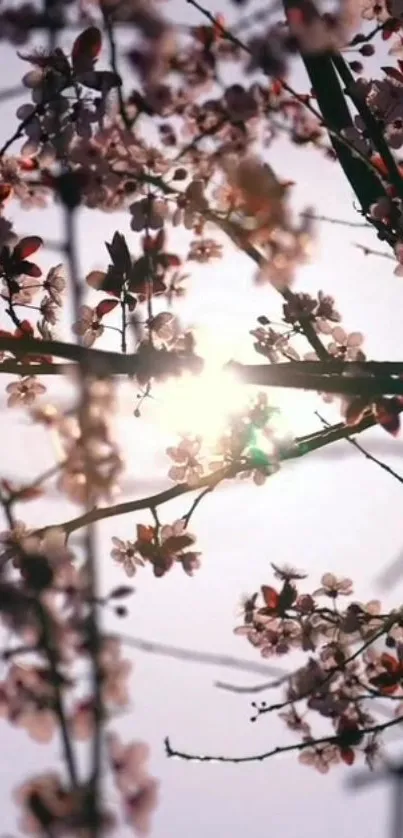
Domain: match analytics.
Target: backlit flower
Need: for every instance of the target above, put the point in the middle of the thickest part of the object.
(23, 393)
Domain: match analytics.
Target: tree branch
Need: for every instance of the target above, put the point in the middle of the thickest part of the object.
(368, 379)
(98, 361)
(302, 445)
(285, 375)
(365, 453)
(191, 656)
(298, 746)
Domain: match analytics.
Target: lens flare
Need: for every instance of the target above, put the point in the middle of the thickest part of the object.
(201, 405)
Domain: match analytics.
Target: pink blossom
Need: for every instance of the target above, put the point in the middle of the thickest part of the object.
(88, 326)
(125, 553)
(23, 393)
(347, 346)
(204, 250)
(321, 757)
(333, 587)
(187, 468)
(55, 284)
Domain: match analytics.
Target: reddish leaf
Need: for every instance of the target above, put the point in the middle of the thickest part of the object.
(119, 253)
(390, 662)
(154, 244)
(95, 279)
(392, 25)
(347, 755)
(390, 423)
(145, 534)
(355, 410)
(87, 45)
(276, 87)
(28, 164)
(30, 269)
(379, 163)
(177, 543)
(387, 683)
(219, 25)
(393, 73)
(270, 596)
(110, 282)
(170, 260)
(24, 330)
(104, 307)
(5, 191)
(102, 80)
(387, 414)
(27, 246)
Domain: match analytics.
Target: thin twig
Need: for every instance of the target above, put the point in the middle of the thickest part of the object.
(113, 59)
(333, 670)
(339, 221)
(368, 251)
(302, 446)
(206, 491)
(298, 746)
(364, 451)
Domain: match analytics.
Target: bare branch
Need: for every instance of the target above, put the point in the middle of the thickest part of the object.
(191, 656)
(285, 749)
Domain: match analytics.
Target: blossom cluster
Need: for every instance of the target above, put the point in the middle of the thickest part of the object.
(86, 142)
(45, 603)
(162, 547)
(249, 447)
(353, 664)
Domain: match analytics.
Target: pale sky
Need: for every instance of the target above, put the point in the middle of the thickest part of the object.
(330, 511)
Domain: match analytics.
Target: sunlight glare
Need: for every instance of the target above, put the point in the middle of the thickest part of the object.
(201, 405)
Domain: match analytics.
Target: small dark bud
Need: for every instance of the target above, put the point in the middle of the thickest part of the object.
(367, 50)
(356, 66)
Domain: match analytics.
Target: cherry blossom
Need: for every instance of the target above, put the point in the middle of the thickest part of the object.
(321, 757)
(187, 466)
(125, 553)
(204, 250)
(55, 284)
(347, 346)
(333, 587)
(89, 327)
(24, 393)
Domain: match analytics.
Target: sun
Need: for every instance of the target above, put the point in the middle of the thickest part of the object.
(203, 404)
